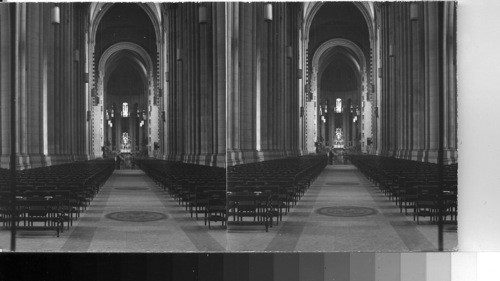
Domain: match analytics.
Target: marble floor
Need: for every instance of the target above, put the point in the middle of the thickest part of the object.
(303, 229)
(343, 185)
(126, 191)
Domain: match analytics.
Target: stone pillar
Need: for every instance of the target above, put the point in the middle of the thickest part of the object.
(432, 80)
(411, 86)
(5, 84)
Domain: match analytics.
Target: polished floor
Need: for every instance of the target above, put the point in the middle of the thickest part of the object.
(343, 185)
(127, 191)
(303, 229)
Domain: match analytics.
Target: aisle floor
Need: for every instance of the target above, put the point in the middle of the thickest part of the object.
(304, 229)
(127, 191)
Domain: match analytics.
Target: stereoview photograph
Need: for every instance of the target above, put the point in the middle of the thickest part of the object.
(214, 127)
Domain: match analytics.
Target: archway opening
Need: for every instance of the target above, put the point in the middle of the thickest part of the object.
(126, 71)
(125, 106)
(340, 104)
(339, 49)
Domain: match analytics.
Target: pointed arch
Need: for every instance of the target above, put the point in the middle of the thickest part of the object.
(98, 10)
(366, 9)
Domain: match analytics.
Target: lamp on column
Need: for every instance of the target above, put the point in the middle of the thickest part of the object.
(56, 15)
(86, 77)
(299, 73)
(179, 54)
(268, 12)
(202, 14)
(289, 52)
(414, 11)
(76, 55)
(391, 50)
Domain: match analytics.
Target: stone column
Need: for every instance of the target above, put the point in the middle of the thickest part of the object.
(5, 84)
(432, 81)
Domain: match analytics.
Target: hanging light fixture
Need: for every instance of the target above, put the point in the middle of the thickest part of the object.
(202, 14)
(56, 15)
(414, 11)
(268, 12)
(289, 52)
(179, 54)
(76, 55)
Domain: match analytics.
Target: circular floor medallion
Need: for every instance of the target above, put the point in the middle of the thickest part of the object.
(136, 216)
(131, 188)
(346, 211)
(342, 183)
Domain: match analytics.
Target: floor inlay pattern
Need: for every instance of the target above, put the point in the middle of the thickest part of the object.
(346, 211)
(137, 216)
(131, 188)
(342, 183)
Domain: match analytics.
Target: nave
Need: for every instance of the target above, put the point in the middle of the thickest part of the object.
(306, 229)
(232, 85)
(150, 221)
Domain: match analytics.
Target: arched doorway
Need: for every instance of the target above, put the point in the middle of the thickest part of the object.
(340, 83)
(337, 46)
(126, 73)
(124, 78)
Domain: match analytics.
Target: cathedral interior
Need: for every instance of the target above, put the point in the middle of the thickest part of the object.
(284, 126)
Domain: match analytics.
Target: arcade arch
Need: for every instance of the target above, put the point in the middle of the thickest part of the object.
(133, 50)
(326, 42)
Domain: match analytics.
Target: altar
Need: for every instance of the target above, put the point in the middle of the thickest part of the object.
(125, 145)
(338, 142)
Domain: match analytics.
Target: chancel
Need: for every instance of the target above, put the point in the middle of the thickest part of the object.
(283, 126)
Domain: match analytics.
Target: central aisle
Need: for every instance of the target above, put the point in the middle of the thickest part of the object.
(306, 229)
(131, 191)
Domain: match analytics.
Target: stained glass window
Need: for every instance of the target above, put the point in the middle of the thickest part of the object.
(338, 106)
(125, 112)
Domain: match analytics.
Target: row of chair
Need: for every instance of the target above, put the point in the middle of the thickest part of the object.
(48, 197)
(199, 189)
(416, 186)
(263, 192)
